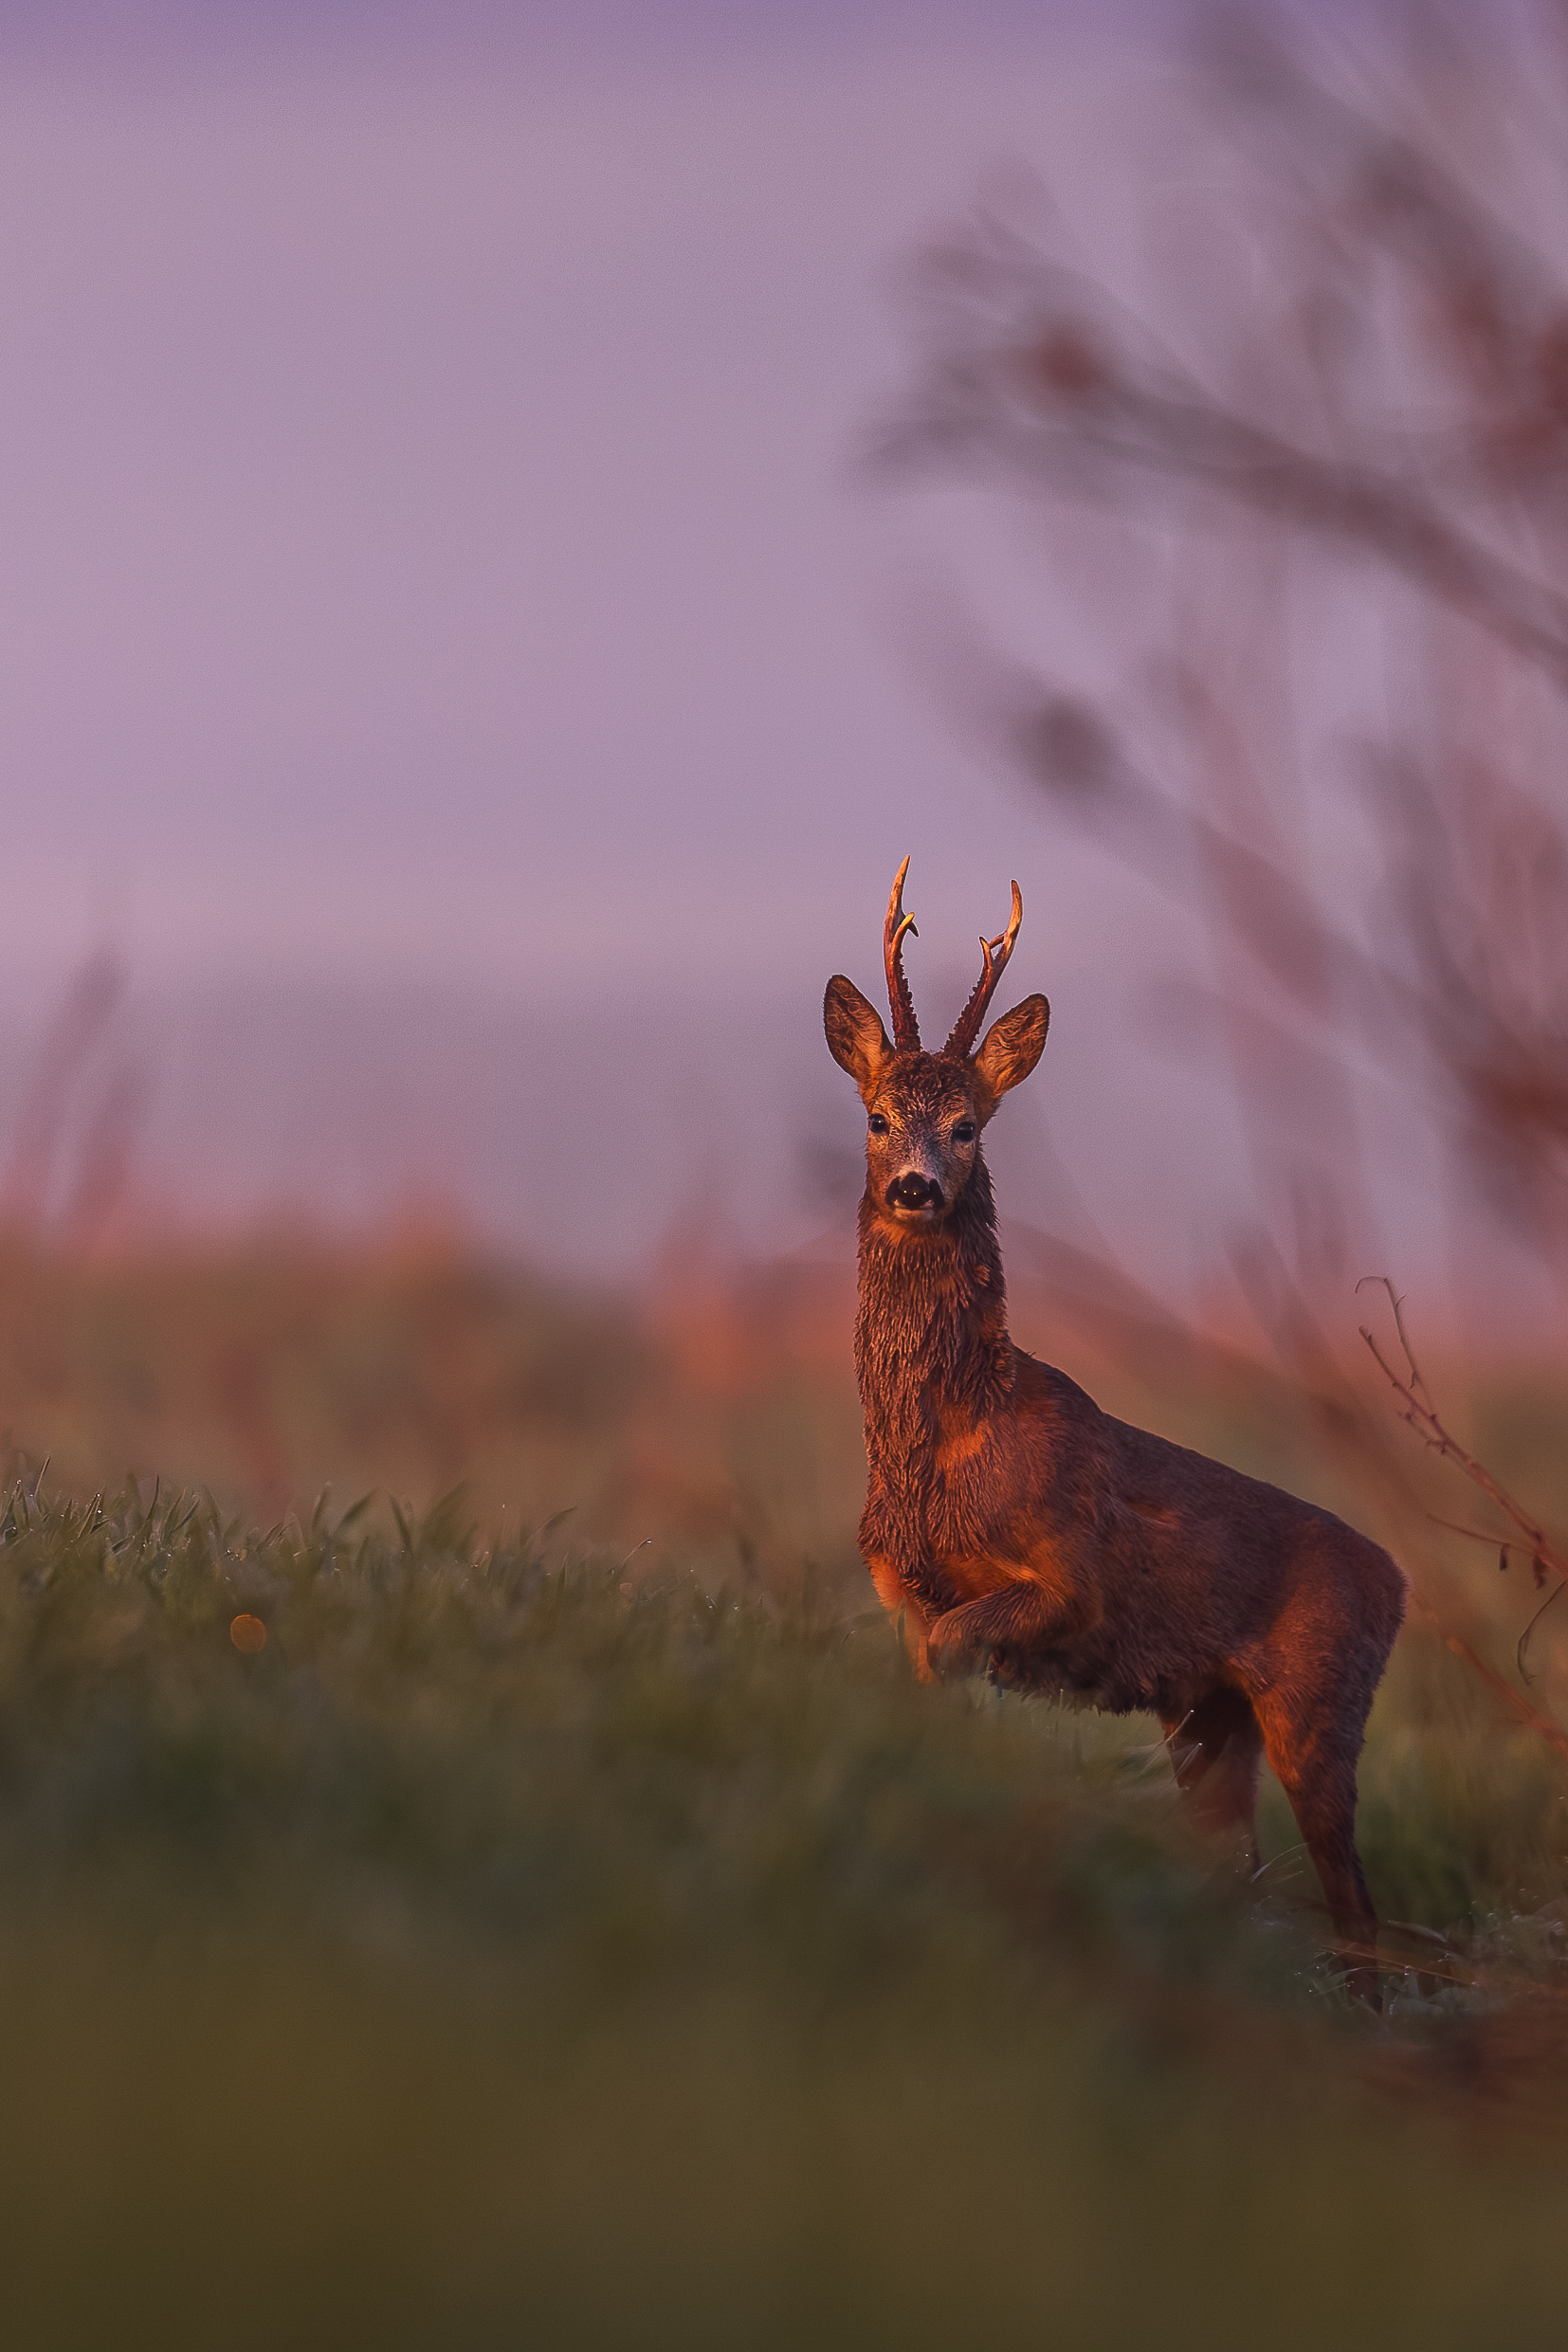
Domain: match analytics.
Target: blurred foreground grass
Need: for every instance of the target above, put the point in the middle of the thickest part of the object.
(527, 1944)
(508, 1953)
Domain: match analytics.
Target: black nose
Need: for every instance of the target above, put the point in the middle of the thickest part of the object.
(914, 1191)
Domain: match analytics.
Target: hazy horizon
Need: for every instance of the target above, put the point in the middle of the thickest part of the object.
(442, 585)
(457, 655)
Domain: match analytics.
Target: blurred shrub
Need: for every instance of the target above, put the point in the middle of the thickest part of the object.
(504, 1953)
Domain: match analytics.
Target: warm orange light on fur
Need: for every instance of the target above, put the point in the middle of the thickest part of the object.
(1014, 1523)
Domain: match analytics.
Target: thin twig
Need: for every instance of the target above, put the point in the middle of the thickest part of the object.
(1423, 1416)
(1407, 1963)
(1476, 1535)
(1524, 1637)
(1498, 1684)
(1407, 1928)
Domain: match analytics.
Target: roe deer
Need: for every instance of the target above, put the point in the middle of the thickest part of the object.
(1012, 1522)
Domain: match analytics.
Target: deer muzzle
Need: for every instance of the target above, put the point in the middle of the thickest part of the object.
(915, 1193)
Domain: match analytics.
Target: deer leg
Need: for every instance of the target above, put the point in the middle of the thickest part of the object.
(1019, 1615)
(1217, 1748)
(1321, 1785)
(903, 1597)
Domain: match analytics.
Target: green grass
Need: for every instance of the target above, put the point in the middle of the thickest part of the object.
(509, 1952)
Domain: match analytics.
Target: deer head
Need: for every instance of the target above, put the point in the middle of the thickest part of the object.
(925, 1111)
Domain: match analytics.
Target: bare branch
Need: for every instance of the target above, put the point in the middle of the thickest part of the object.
(1422, 1415)
(1524, 1637)
(1517, 1705)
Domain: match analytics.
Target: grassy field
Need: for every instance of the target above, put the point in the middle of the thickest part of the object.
(528, 1943)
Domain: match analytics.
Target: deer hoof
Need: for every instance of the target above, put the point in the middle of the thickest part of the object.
(941, 1645)
(949, 1645)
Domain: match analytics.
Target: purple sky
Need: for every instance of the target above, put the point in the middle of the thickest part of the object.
(435, 572)
(431, 538)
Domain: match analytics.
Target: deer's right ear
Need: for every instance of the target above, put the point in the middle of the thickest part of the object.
(856, 1038)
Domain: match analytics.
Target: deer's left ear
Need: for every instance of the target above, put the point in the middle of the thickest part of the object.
(1012, 1047)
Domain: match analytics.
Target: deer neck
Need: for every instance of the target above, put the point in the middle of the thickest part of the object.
(932, 1350)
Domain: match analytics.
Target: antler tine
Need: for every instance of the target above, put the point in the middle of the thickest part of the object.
(906, 1029)
(967, 1026)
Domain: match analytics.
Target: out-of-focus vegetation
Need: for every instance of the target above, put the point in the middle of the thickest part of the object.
(508, 1946)
(714, 1411)
(1301, 662)
(528, 1939)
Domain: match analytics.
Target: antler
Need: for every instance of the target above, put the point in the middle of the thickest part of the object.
(906, 1029)
(967, 1026)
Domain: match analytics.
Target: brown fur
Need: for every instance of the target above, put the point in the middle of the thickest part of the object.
(1016, 1524)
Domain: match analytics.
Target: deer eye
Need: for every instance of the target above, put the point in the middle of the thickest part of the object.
(879, 1124)
(964, 1131)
